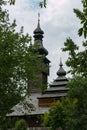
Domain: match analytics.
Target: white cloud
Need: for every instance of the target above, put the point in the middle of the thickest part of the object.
(57, 21)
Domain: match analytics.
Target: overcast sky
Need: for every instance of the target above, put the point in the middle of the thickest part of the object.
(57, 21)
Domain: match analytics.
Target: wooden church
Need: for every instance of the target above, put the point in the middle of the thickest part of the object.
(41, 100)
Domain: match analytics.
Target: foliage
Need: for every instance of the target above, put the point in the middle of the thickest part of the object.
(71, 112)
(82, 15)
(41, 4)
(59, 114)
(21, 125)
(78, 90)
(12, 46)
(77, 59)
(18, 63)
(72, 48)
(6, 122)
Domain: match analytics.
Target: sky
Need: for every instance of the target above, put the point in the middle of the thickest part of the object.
(57, 21)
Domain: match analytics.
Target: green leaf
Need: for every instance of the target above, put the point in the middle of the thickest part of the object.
(80, 31)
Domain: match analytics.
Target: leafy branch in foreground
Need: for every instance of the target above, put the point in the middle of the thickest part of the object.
(18, 63)
(41, 4)
(70, 113)
(82, 15)
(77, 60)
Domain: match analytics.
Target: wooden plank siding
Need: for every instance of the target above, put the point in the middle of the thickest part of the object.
(46, 101)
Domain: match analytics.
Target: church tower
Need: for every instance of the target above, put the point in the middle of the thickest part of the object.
(42, 52)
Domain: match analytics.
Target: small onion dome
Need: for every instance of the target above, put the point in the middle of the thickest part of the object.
(38, 30)
(61, 71)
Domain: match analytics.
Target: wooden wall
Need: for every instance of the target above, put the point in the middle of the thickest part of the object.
(46, 101)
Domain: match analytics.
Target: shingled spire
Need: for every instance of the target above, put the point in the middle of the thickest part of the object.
(56, 90)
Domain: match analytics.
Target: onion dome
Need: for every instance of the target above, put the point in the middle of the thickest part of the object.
(38, 36)
(61, 71)
(38, 29)
(38, 32)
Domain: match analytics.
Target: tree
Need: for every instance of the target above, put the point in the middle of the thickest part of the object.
(18, 62)
(73, 112)
(59, 115)
(78, 90)
(77, 59)
(11, 46)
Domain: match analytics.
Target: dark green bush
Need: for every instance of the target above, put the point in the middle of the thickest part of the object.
(21, 125)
